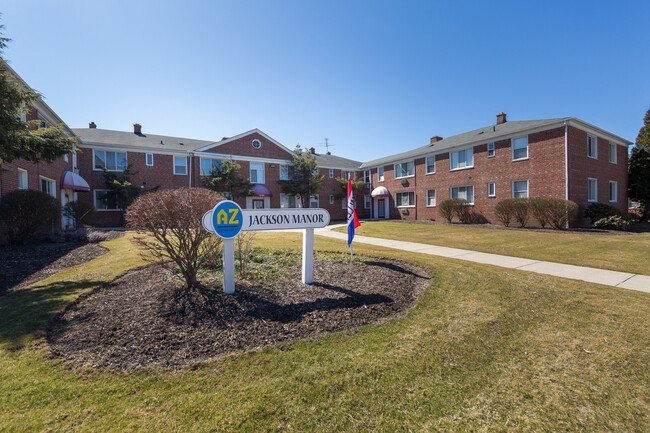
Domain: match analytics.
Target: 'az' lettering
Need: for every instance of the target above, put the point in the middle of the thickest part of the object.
(233, 214)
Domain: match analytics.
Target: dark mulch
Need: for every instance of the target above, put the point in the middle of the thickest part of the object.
(144, 319)
(23, 265)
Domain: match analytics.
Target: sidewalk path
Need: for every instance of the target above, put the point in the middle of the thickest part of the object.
(592, 275)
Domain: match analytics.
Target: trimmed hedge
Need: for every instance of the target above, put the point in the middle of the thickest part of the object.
(26, 214)
(512, 209)
(456, 207)
(555, 212)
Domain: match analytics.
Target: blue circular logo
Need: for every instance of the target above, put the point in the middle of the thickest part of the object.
(227, 219)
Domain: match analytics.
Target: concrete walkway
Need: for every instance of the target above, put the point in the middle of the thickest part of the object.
(592, 275)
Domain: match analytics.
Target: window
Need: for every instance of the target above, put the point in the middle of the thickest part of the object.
(346, 174)
(149, 159)
(520, 189)
(284, 172)
(180, 165)
(592, 190)
(106, 200)
(612, 153)
(404, 169)
(366, 201)
(313, 201)
(592, 147)
(344, 203)
(331, 199)
(207, 165)
(490, 150)
(405, 199)
(380, 174)
(112, 161)
(22, 179)
(331, 173)
(226, 195)
(431, 197)
(257, 172)
(431, 164)
(256, 144)
(520, 148)
(462, 159)
(288, 201)
(65, 157)
(366, 177)
(48, 186)
(491, 190)
(464, 192)
(613, 191)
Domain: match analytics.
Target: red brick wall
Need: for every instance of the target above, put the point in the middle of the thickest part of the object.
(544, 170)
(581, 167)
(243, 146)
(53, 171)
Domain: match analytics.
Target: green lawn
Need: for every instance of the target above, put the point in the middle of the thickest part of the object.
(486, 349)
(619, 252)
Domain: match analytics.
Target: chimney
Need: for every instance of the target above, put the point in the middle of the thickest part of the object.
(137, 128)
(312, 150)
(501, 118)
(92, 125)
(436, 138)
(328, 153)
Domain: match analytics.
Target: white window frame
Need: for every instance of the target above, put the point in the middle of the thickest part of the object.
(175, 165)
(380, 174)
(250, 172)
(426, 164)
(595, 181)
(465, 167)
(331, 173)
(512, 187)
(594, 146)
(22, 173)
(286, 174)
(451, 192)
(366, 177)
(615, 184)
(65, 158)
(412, 164)
(512, 148)
(51, 186)
(399, 201)
(146, 159)
(493, 149)
(614, 147)
(494, 189)
(314, 197)
(287, 197)
(126, 160)
(211, 164)
(95, 200)
(434, 197)
(367, 201)
(259, 144)
(331, 199)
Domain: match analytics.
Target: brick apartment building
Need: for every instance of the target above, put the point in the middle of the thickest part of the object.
(57, 178)
(173, 162)
(565, 158)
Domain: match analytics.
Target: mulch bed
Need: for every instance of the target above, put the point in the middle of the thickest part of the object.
(27, 264)
(144, 319)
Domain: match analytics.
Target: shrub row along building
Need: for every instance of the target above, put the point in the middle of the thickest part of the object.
(564, 158)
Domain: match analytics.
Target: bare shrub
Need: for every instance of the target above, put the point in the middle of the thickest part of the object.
(173, 218)
(512, 209)
(561, 212)
(455, 206)
(97, 236)
(80, 211)
(521, 210)
(244, 242)
(540, 208)
(463, 210)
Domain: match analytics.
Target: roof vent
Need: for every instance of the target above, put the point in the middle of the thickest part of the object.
(161, 142)
(182, 144)
(501, 118)
(328, 153)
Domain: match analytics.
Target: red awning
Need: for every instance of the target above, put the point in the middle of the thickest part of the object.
(261, 191)
(70, 180)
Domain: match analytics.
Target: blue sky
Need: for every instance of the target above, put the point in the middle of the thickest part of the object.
(374, 77)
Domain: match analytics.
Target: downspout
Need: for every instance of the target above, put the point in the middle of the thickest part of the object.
(191, 173)
(566, 170)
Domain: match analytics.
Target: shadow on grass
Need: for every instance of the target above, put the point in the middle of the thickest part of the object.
(24, 312)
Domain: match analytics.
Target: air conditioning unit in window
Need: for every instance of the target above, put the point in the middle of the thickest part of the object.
(405, 182)
(405, 211)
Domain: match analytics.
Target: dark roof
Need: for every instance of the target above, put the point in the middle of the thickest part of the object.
(486, 134)
(130, 139)
(324, 160)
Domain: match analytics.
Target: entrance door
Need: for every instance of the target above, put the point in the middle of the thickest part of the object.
(381, 209)
(258, 203)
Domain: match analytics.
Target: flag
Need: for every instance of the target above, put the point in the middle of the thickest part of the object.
(353, 222)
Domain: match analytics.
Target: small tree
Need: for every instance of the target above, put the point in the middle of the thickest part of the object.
(226, 177)
(26, 213)
(120, 183)
(173, 218)
(303, 174)
(639, 168)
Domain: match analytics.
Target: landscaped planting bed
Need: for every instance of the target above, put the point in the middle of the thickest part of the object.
(146, 318)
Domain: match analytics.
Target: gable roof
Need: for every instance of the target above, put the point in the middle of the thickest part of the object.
(331, 161)
(214, 145)
(484, 135)
(144, 141)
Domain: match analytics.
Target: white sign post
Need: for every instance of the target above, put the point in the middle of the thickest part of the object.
(227, 219)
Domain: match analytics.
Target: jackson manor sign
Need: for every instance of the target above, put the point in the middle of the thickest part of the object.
(227, 219)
